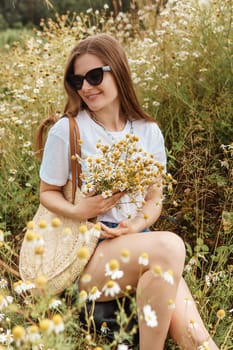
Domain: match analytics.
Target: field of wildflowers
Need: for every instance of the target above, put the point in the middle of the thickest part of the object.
(181, 61)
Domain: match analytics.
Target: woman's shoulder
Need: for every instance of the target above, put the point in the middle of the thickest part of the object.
(146, 127)
(60, 128)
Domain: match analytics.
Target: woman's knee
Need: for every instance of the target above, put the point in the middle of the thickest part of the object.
(171, 249)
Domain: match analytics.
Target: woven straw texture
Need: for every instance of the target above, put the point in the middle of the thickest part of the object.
(58, 263)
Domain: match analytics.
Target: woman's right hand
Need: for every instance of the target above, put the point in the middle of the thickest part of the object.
(91, 206)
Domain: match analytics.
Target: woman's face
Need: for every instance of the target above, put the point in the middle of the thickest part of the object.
(102, 96)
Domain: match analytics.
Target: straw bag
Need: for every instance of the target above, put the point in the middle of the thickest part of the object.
(51, 251)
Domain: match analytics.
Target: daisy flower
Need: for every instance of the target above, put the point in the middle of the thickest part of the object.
(82, 297)
(84, 234)
(111, 288)
(112, 270)
(83, 253)
(143, 259)
(94, 294)
(171, 304)
(20, 286)
(168, 276)
(3, 283)
(96, 230)
(192, 324)
(1, 236)
(46, 326)
(6, 338)
(122, 347)
(204, 346)
(86, 278)
(33, 334)
(5, 301)
(58, 324)
(221, 314)
(125, 256)
(150, 316)
(157, 271)
(55, 303)
(107, 193)
(104, 328)
(18, 333)
(187, 301)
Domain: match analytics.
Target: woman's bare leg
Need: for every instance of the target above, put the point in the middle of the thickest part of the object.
(187, 327)
(166, 250)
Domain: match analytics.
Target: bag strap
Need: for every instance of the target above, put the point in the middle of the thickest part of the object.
(74, 149)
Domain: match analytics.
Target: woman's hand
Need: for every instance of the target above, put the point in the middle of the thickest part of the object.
(92, 206)
(123, 228)
(88, 207)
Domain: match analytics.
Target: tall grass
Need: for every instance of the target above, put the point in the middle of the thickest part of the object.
(181, 63)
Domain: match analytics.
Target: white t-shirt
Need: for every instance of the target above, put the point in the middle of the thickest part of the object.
(56, 168)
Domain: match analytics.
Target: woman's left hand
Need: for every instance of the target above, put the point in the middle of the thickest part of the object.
(123, 228)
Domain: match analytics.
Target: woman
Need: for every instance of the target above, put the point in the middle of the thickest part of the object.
(103, 102)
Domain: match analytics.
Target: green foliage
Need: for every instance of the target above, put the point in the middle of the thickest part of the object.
(181, 62)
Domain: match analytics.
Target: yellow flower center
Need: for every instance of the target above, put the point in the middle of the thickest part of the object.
(56, 222)
(221, 314)
(110, 284)
(144, 256)
(83, 294)
(33, 329)
(67, 231)
(40, 281)
(83, 253)
(82, 229)
(93, 290)
(170, 272)
(18, 332)
(30, 225)
(44, 325)
(97, 226)
(57, 319)
(39, 250)
(114, 265)
(42, 224)
(125, 253)
(157, 270)
(30, 235)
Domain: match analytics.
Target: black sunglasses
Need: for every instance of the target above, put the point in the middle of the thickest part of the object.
(93, 77)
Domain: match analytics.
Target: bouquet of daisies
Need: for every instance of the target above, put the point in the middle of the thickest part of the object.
(124, 167)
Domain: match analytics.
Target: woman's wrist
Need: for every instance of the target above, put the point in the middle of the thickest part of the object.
(138, 223)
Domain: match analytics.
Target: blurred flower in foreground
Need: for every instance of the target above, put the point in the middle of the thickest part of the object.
(204, 346)
(221, 314)
(125, 256)
(150, 316)
(5, 301)
(58, 324)
(18, 334)
(6, 338)
(143, 259)
(111, 288)
(1, 238)
(112, 269)
(33, 333)
(94, 294)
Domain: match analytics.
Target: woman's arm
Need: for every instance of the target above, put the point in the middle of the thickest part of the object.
(88, 207)
(150, 211)
(147, 216)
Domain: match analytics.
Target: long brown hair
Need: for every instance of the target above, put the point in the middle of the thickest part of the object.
(111, 53)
